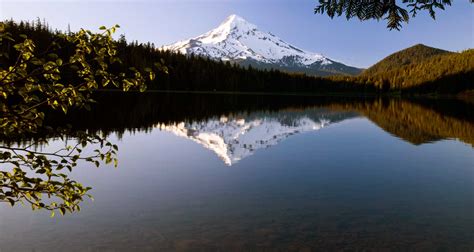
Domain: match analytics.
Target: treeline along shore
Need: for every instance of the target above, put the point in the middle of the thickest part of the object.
(419, 70)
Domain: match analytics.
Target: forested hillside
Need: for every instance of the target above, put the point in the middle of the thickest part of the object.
(443, 73)
(418, 69)
(411, 55)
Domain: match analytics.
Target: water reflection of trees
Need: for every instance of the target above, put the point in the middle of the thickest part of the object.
(416, 120)
(419, 121)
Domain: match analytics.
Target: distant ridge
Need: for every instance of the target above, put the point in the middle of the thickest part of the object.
(411, 55)
(419, 69)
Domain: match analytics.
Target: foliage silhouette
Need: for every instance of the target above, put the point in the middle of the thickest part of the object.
(42, 74)
(395, 13)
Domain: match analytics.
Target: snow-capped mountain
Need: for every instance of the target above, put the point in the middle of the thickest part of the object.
(233, 138)
(239, 41)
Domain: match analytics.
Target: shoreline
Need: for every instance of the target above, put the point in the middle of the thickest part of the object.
(466, 96)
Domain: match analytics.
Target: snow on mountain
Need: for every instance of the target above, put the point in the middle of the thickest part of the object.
(233, 138)
(238, 40)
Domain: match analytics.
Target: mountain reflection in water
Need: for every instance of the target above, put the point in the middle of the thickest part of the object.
(236, 137)
(228, 123)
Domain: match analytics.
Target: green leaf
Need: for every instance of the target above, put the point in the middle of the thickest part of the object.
(53, 55)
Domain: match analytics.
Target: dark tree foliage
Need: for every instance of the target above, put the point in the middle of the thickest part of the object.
(395, 12)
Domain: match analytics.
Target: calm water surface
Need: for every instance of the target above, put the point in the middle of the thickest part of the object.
(226, 173)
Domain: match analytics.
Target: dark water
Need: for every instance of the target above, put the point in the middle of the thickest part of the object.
(267, 173)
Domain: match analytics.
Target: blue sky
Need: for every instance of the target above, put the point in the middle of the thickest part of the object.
(166, 21)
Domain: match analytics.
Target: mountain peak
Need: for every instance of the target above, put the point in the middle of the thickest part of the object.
(234, 18)
(233, 24)
(240, 41)
(236, 39)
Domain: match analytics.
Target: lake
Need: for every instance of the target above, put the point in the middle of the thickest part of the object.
(210, 172)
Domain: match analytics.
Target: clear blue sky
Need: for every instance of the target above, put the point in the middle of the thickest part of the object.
(165, 21)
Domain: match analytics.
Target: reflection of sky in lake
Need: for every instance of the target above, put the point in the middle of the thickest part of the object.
(347, 185)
